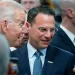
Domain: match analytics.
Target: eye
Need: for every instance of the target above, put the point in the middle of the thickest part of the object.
(52, 30)
(42, 29)
(21, 24)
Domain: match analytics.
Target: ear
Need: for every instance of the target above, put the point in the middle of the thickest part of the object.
(28, 25)
(69, 12)
(4, 26)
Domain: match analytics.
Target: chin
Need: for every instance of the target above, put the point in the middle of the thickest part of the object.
(44, 46)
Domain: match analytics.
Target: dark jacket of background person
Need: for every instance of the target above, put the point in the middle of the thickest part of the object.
(61, 40)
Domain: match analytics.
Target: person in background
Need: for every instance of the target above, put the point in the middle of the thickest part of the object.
(28, 4)
(65, 36)
(38, 56)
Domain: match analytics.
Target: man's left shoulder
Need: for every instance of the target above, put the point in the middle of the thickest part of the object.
(61, 52)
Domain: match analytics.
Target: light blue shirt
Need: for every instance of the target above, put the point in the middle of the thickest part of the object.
(31, 51)
(68, 33)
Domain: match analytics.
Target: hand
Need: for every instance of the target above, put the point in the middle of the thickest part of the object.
(11, 71)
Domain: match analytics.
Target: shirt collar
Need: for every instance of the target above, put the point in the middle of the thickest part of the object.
(32, 50)
(69, 34)
(12, 48)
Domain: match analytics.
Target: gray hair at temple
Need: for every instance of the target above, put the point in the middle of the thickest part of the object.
(4, 55)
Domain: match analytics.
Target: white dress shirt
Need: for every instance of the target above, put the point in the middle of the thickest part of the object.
(12, 48)
(68, 33)
(31, 51)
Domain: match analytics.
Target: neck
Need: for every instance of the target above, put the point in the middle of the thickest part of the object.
(68, 25)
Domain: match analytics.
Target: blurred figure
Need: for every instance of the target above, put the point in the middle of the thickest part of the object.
(28, 4)
(4, 55)
(65, 36)
(12, 20)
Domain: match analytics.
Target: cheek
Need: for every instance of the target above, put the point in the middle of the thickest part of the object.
(52, 35)
(16, 32)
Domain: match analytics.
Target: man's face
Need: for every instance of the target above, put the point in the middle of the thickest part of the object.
(28, 4)
(14, 28)
(23, 37)
(42, 31)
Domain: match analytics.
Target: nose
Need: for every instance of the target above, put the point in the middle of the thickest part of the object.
(48, 34)
(28, 6)
(25, 30)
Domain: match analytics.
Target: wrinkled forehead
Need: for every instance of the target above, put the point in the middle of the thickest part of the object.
(20, 15)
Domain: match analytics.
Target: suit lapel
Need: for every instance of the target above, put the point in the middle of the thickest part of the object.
(65, 37)
(24, 60)
(49, 61)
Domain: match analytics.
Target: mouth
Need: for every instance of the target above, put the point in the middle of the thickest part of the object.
(46, 41)
(25, 39)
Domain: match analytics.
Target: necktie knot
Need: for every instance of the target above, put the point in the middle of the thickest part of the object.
(38, 54)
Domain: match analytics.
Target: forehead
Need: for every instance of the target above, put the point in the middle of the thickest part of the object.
(45, 18)
(19, 15)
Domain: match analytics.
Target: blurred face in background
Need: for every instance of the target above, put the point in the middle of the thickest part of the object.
(28, 4)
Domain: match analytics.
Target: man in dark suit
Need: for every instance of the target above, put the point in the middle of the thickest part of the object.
(64, 37)
(51, 60)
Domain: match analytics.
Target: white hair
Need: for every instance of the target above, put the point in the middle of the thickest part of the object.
(8, 8)
(4, 55)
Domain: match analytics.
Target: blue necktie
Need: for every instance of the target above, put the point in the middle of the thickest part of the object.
(37, 68)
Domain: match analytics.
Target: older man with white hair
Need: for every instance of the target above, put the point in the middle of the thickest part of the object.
(12, 21)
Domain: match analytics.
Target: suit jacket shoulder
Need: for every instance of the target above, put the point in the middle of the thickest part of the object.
(22, 55)
(58, 62)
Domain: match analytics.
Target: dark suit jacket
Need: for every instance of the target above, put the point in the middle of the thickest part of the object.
(57, 61)
(61, 40)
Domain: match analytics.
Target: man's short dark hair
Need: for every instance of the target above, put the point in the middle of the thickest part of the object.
(32, 13)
